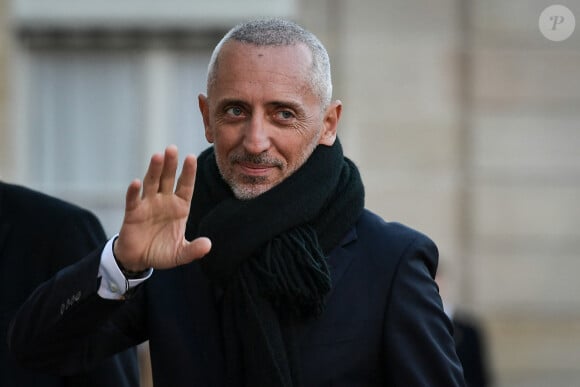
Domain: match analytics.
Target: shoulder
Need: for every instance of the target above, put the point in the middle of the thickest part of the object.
(396, 236)
(391, 242)
(47, 231)
(24, 201)
(39, 216)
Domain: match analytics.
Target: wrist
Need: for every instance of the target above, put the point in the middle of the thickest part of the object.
(129, 274)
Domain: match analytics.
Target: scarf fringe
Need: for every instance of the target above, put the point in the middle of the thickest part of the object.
(292, 273)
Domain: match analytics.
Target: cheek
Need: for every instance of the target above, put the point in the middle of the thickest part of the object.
(225, 141)
(295, 151)
(216, 129)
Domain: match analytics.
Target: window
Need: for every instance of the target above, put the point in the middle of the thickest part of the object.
(93, 109)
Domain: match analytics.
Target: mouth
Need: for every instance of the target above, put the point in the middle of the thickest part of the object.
(254, 169)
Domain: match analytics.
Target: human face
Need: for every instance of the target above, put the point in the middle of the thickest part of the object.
(263, 116)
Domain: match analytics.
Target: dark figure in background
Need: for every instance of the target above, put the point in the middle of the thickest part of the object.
(469, 335)
(39, 235)
(299, 284)
(471, 349)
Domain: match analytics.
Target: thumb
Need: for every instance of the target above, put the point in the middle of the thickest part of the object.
(195, 249)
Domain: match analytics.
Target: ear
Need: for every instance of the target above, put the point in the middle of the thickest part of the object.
(204, 110)
(330, 122)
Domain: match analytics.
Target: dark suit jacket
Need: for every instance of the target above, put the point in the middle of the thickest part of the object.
(39, 235)
(384, 323)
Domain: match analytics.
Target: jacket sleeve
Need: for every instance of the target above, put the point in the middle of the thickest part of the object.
(65, 327)
(418, 336)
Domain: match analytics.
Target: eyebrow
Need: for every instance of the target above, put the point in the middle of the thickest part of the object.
(231, 101)
(291, 104)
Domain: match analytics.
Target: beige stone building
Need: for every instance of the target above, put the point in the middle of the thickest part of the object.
(464, 119)
(4, 53)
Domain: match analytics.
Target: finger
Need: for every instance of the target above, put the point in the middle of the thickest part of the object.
(151, 180)
(169, 169)
(195, 249)
(132, 196)
(186, 181)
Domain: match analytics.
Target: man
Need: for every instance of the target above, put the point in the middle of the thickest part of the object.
(299, 285)
(39, 235)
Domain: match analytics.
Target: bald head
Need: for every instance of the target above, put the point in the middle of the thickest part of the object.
(280, 32)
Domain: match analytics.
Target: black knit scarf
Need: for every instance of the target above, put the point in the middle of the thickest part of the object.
(268, 258)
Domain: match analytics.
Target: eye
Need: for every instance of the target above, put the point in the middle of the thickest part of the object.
(235, 111)
(285, 114)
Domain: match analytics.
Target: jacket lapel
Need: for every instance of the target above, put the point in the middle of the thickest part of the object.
(339, 259)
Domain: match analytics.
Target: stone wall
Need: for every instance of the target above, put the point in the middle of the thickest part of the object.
(525, 137)
(464, 121)
(4, 39)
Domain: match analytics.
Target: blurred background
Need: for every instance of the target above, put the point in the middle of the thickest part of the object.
(463, 117)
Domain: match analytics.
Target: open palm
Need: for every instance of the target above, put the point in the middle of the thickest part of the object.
(152, 234)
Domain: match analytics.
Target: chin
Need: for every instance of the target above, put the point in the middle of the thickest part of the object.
(249, 187)
(247, 193)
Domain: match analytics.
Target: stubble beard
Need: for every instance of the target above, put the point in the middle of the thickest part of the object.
(249, 187)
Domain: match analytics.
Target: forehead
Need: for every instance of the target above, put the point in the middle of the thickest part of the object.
(237, 49)
(239, 61)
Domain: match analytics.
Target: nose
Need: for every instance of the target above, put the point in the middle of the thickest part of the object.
(256, 135)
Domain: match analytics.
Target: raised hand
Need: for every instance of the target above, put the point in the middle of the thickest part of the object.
(152, 234)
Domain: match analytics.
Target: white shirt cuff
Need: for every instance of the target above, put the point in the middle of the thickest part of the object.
(114, 285)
